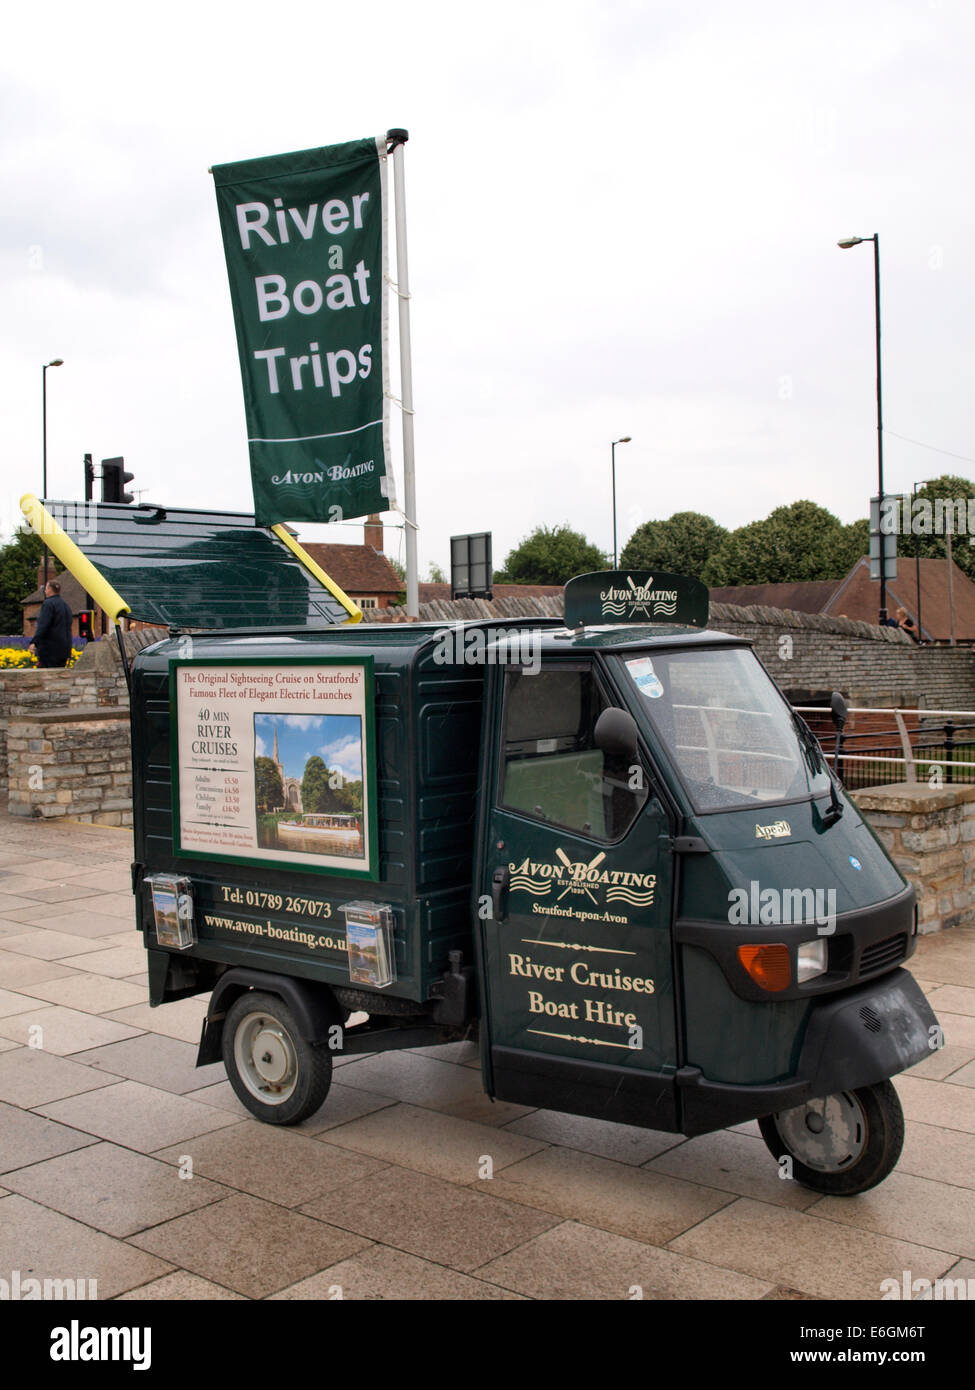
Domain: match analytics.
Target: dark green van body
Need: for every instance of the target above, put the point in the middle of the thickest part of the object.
(600, 959)
(427, 738)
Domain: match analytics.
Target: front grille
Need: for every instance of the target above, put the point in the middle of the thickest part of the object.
(883, 954)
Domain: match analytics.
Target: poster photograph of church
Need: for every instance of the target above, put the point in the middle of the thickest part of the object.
(275, 763)
(308, 784)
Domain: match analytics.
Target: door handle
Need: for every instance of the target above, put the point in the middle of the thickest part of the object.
(500, 883)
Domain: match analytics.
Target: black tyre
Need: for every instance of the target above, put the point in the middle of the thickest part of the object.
(840, 1144)
(280, 1077)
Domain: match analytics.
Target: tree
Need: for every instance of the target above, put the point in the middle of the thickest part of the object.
(550, 556)
(19, 560)
(436, 575)
(681, 545)
(316, 794)
(268, 787)
(929, 524)
(798, 542)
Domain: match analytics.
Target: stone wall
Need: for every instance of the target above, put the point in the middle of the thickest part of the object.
(808, 654)
(930, 835)
(74, 761)
(46, 691)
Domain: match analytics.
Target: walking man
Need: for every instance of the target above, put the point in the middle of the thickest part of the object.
(52, 635)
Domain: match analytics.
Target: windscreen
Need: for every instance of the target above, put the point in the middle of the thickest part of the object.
(727, 729)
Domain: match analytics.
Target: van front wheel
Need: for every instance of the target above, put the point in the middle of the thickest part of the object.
(840, 1144)
(275, 1073)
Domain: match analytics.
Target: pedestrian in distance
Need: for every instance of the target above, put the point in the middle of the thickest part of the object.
(52, 635)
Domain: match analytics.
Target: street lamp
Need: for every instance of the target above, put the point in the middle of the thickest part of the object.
(845, 245)
(58, 362)
(624, 440)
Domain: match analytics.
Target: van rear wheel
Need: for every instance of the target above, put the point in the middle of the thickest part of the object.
(840, 1144)
(276, 1074)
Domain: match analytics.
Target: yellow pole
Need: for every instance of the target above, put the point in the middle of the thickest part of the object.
(60, 544)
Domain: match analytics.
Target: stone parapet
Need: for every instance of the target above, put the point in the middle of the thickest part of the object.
(929, 832)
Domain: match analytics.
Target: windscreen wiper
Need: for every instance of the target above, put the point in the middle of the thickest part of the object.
(832, 815)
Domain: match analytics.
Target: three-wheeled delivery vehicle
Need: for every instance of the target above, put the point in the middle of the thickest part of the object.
(605, 846)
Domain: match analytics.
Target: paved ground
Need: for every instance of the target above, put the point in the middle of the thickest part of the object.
(383, 1194)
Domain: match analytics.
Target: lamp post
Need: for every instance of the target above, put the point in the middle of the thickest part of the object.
(624, 440)
(58, 362)
(845, 245)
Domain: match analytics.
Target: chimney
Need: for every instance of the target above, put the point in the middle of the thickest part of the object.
(40, 574)
(373, 532)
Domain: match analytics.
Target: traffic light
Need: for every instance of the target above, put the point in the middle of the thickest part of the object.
(114, 478)
(86, 625)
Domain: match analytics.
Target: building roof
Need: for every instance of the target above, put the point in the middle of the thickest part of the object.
(858, 596)
(71, 591)
(440, 593)
(358, 569)
(808, 596)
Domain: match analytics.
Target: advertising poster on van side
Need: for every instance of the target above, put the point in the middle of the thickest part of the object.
(274, 763)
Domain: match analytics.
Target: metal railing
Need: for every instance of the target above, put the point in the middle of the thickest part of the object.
(937, 748)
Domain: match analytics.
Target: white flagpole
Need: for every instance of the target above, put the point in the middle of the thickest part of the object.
(398, 139)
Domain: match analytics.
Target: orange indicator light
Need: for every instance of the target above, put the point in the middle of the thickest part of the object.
(768, 965)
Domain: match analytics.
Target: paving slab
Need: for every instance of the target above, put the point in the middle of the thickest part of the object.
(431, 1218)
(16, 971)
(804, 1252)
(613, 1196)
(441, 1145)
(382, 1273)
(183, 1019)
(180, 1287)
(116, 961)
(156, 1060)
(272, 1162)
(62, 1030)
(955, 999)
(945, 1155)
(43, 1244)
(136, 1116)
(29, 1138)
(574, 1261)
(934, 1103)
(113, 1189)
(30, 1076)
(13, 1003)
(911, 1208)
(95, 994)
(252, 1247)
(738, 1163)
(623, 1143)
(50, 945)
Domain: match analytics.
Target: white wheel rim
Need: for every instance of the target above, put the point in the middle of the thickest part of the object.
(266, 1058)
(828, 1135)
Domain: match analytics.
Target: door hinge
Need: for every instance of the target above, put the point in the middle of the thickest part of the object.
(690, 844)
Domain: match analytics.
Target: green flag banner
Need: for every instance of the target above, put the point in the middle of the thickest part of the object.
(305, 239)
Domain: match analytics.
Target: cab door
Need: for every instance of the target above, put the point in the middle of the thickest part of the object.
(575, 884)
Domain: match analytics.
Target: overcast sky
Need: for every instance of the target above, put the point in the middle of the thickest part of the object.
(622, 216)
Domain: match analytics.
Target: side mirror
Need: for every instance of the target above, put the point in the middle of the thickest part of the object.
(839, 707)
(616, 733)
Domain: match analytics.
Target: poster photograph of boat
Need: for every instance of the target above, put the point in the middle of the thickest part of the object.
(308, 783)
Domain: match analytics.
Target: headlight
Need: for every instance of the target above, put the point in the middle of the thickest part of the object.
(810, 960)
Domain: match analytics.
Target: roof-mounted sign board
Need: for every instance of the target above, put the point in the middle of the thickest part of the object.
(635, 596)
(189, 569)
